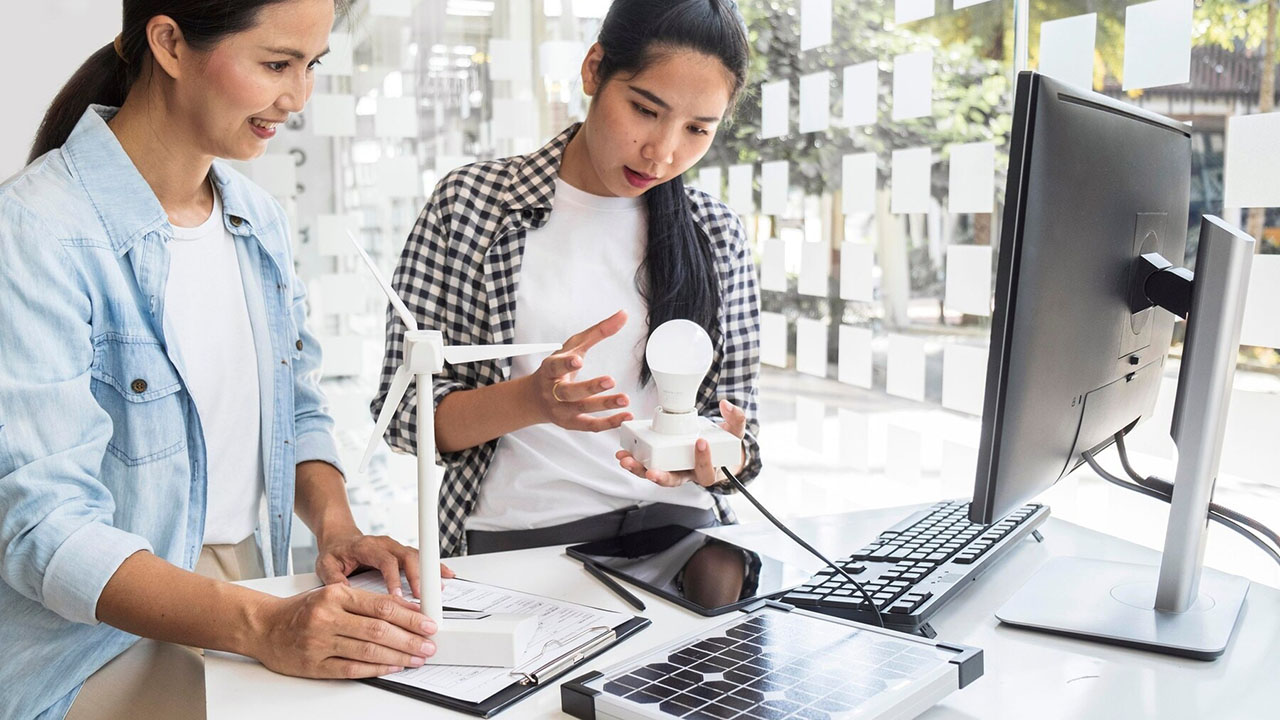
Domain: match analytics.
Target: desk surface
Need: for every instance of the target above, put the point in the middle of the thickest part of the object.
(1028, 674)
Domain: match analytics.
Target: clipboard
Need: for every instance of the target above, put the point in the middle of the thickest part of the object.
(554, 660)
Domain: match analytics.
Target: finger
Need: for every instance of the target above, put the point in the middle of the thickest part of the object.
(351, 669)
(632, 465)
(386, 635)
(446, 573)
(389, 566)
(562, 365)
(602, 403)
(590, 423)
(587, 339)
(735, 418)
(578, 391)
(374, 654)
(329, 570)
(664, 478)
(394, 611)
(703, 473)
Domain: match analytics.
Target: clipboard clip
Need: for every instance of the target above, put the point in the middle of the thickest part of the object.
(595, 638)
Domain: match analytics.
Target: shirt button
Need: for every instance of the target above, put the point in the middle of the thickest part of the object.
(139, 386)
(235, 221)
(298, 344)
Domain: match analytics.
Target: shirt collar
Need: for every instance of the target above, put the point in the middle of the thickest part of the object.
(533, 176)
(125, 202)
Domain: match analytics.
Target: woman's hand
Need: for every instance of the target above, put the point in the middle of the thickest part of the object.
(557, 396)
(340, 632)
(735, 421)
(344, 554)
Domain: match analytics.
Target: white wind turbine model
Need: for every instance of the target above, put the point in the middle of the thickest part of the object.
(495, 640)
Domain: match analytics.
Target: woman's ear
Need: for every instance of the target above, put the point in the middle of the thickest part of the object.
(164, 39)
(591, 70)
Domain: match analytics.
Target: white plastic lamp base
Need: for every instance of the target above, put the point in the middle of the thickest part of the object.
(672, 453)
(484, 639)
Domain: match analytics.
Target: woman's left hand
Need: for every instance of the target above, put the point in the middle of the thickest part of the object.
(735, 421)
(344, 554)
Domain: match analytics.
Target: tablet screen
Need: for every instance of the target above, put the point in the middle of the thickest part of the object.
(705, 574)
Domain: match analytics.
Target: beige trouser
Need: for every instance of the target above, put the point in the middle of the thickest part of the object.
(157, 680)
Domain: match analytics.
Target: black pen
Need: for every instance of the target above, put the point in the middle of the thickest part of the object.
(612, 585)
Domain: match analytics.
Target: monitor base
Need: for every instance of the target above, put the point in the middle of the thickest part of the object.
(1114, 602)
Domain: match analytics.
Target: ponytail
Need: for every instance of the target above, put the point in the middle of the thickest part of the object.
(103, 79)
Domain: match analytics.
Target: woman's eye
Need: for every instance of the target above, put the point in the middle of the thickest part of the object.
(278, 66)
(313, 64)
(644, 110)
(697, 130)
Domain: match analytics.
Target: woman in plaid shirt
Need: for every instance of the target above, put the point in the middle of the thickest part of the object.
(596, 224)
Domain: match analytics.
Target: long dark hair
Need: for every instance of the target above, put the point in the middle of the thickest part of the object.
(105, 78)
(678, 278)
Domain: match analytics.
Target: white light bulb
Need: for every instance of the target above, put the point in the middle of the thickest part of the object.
(679, 353)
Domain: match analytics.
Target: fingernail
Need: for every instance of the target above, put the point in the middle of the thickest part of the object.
(428, 626)
(428, 648)
(702, 444)
(395, 669)
(622, 402)
(397, 592)
(417, 661)
(606, 384)
(576, 362)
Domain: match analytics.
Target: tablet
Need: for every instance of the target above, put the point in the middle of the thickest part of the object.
(707, 575)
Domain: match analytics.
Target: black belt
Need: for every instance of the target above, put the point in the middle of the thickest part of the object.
(597, 527)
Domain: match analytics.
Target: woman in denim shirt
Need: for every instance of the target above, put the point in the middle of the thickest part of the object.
(132, 428)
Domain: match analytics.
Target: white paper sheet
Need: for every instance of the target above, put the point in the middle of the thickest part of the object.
(810, 417)
(741, 195)
(710, 181)
(332, 115)
(855, 440)
(903, 447)
(857, 262)
(858, 183)
(511, 119)
(773, 269)
(905, 376)
(400, 177)
(905, 11)
(773, 339)
(1066, 49)
(277, 173)
(775, 109)
(561, 59)
(339, 59)
(815, 102)
(1262, 306)
(1157, 44)
(397, 118)
(330, 234)
(815, 23)
(913, 85)
(509, 59)
(855, 356)
(969, 279)
(909, 182)
(775, 179)
(811, 347)
(558, 621)
(861, 93)
(1252, 175)
(815, 269)
(391, 8)
(964, 378)
(972, 178)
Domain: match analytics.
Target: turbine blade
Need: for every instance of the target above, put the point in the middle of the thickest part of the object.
(454, 354)
(399, 384)
(406, 317)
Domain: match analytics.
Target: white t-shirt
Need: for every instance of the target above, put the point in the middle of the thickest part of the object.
(207, 320)
(577, 270)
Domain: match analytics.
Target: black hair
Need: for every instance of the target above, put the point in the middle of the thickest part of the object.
(105, 78)
(678, 277)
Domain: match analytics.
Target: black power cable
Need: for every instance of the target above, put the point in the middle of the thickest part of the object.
(778, 524)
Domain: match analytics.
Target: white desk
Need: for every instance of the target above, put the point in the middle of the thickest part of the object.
(1028, 674)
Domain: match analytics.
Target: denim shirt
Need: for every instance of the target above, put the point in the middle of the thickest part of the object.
(101, 448)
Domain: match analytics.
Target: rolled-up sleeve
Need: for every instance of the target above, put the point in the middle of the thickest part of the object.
(58, 546)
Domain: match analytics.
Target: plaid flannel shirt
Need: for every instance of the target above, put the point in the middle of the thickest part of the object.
(458, 273)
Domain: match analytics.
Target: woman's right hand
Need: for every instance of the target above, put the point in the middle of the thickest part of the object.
(559, 398)
(341, 632)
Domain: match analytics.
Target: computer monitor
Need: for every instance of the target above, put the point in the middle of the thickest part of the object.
(1085, 303)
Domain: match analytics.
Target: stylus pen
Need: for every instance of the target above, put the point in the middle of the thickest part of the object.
(609, 582)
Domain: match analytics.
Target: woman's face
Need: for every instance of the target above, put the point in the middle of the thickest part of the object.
(234, 95)
(645, 129)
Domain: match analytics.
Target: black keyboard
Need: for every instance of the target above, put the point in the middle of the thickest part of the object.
(914, 568)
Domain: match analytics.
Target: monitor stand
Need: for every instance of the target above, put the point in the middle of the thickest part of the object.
(1177, 608)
